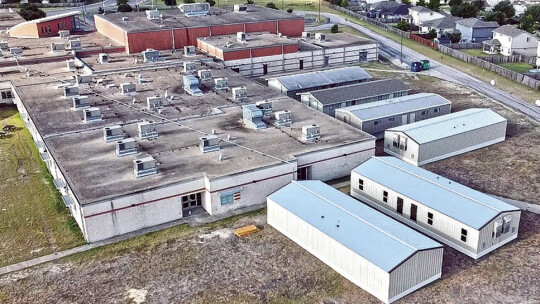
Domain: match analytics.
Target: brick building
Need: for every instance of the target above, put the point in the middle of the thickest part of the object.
(44, 27)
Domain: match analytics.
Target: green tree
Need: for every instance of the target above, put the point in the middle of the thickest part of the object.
(407, 2)
(170, 3)
(189, 1)
(480, 4)
(124, 8)
(464, 10)
(533, 11)
(344, 3)
(250, 2)
(527, 24)
(506, 8)
(120, 2)
(289, 10)
(455, 37)
(499, 17)
(434, 5)
(421, 3)
(211, 2)
(432, 34)
(31, 12)
(271, 5)
(403, 25)
(455, 2)
(334, 29)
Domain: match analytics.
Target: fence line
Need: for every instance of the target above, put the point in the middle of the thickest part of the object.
(466, 45)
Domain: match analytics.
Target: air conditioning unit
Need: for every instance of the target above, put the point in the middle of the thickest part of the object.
(252, 117)
(195, 9)
(70, 91)
(144, 166)
(306, 35)
(221, 84)
(189, 50)
(74, 44)
(103, 58)
(125, 19)
(4, 46)
(113, 133)
(311, 133)
(154, 102)
(80, 79)
(71, 64)
(150, 55)
(64, 34)
(190, 67)
(128, 88)
(266, 107)
(191, 85)
(16, 51)
(283, 118)
(92, 114)
(152, 14)
(80, 102)
(208, 143)
(320, 37)
(204, 75)
(125, 147)
(57, 47)
(147, 130)
(240, 8)
(241, 37)
(239, 93)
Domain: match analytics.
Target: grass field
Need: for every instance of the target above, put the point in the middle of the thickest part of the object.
(475, 52)
(518, 67)
(33, 218)
(304, 5)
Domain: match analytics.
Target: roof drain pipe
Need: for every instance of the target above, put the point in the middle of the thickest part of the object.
(173, 43)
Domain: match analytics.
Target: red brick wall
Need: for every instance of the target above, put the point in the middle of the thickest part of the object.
(181, 38)
(138, 42)
(293, 48)
(227, 29)
(293, 28)
(194, 33)
(270, 26)
(234, 55)
(268, 51)
(55, 26)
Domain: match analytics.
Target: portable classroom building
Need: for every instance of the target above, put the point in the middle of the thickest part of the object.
(375, 117)
(441, 137)
(328, 100)
(467, 220)
(380, 255)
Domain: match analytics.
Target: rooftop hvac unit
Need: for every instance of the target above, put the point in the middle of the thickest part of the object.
(189, 50)
(306, 35)
(204, 75)
(195, 9)
(125, 147)
(150, 55)
(144, 166)
(208, 143)
(91, 114)
(221, 84)
(113, 133)
(241, 37)
(239, 93)
(154, 102)
(147, 130)
(71, 91)
(190, 66)
(125, 19)
(74, 44)
(152, 14)
(57, 47)
(311, 133)
(128, 88)
(71, 64)
(252, 117)
(191, 85)
(283, 118)
(4, 45)
(320, 37)
(16, 51)
(265, 106)
(80, 102)
(103, 58)
(80, 79)
(240, 8)
(64, 34)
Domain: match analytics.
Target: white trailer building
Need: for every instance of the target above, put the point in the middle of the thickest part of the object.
(460, 217)
(375, 117)
(441, 137)
(380, 255)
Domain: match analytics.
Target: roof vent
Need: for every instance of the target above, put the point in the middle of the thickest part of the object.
(154, 102)
(125, 19)
(311, 133)
(306, 35)
(241, 37)
(195, 9)
(221, 84)
(204, 75)
(191, 85)
(266, 107)
(150, 55)
(252, 117)
(240, 8)
(64, 34)
(80, 79)
(147, 130)
(103, 58)
(4, 45)
(283, 118)
(189, 50)
(80, 102)
(74, 44)
(320, 37)
(71, 64)
(92, 114)
(208, 143)
(125, 147)
(128, 88)
(145, 166)
(58, 47)
(70, 91)
(152, 14)
(190, 66)
(239, 93)
(113, 133)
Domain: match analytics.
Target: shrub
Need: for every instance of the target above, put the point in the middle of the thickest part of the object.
(271, 5)
(211, 2)
(124, 8)
(289, 10)
(334, 29)
(170, 2)
(31, 12)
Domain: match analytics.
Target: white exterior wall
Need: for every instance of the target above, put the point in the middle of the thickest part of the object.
(523, 44)
(538, 55)
(410, 156)
(419, 17)
(487, 242)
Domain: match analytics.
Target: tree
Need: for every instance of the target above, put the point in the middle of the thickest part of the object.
(527, 24)
(432, 34)
(101, 10)
(250, 2)
(452, 3)
(480, 4)
(125, 8)
(533, 11)
(211, 2)
(455, 37)
(421, 3)
(464, 10)
(344, 3)
(189, 1)
(506, 8)
(271, 5)
(433, 5)
(31, 12)
(120, 2)
(289, 10)
(334, 29)
(499, 17)
(170, 3)
(407, 2)
(403, 25)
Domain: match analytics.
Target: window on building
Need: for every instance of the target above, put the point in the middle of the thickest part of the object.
(361, 184)
(395, 140)
(301, 64)
(7, 94)
(423, 113)
(403, 143)
(385, 196)
(464, 235)
(399, 205)
(49, 28)
(498, 228)
(191, 200)
(436, 110)
(430, 218)
(507, 221)
(380, 97)
(265, 69)
(391, 118)
(376, 122)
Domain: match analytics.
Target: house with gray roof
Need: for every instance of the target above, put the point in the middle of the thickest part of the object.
(509, 40)
(442, 26)
(467, 220)
(475, 30)
(375, 117)
(421, 14)
(328, 100)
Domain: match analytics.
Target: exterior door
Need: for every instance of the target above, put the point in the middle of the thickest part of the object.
(303, 173)
(362, 56)
(265, 69)
(414, 211)
(404, 119)
(413, 117)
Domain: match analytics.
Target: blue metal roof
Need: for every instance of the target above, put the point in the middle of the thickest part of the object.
(473, 208)
(323, 78)
(449, 125)
(378, 238)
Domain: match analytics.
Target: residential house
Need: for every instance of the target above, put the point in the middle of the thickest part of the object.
(509, 40)
(420, 14)
(442, 26)
(538, 55)
(387, 10)
(475, 30)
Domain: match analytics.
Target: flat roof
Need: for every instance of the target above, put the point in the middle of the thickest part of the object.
(175, 19)
(333, 41)
(322, 78)
(253, 40)
(359, 91)
(449, 125)
(9, 18)
(369, 233)
(468, 206)
(395, 106)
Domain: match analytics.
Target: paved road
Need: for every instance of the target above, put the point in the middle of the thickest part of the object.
(390, 49)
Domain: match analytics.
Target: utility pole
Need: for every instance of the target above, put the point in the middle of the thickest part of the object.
(401, 51)
(319, 10)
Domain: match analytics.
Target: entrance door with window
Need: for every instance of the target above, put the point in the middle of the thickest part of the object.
(192, 204)
(414, 211)
(326, 60)
(413, 117)
(303, 173)
(362, 56)
(301, 64)
(265, 69)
